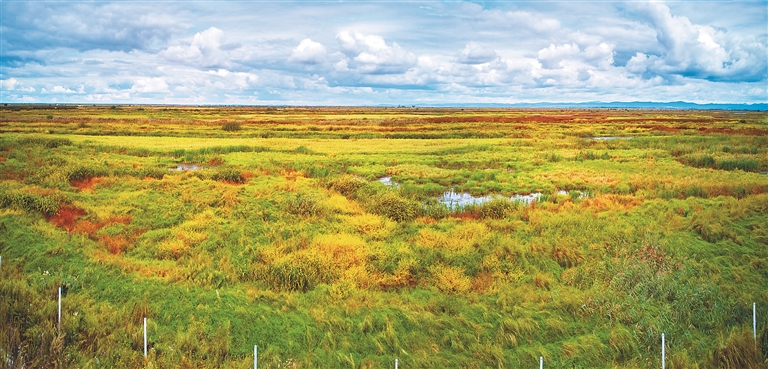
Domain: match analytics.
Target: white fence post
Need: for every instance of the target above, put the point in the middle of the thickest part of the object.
(145, 337)
(395, 363)
(255, 357)
(59, 309)
(541, 362)
(663, 353)
(754, 323)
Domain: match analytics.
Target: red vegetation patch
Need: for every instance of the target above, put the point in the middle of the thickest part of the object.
(90, 228)
(660, 128)
(2, 159)
(115, 244)
(215, 162)
(292, 174)
(87, 227)
(731, 131)
(482, 282)
(611, 202)
(66, 217)
(246, 175)
(85, 184)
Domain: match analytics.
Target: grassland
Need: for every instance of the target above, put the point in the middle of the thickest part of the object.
(283, 237)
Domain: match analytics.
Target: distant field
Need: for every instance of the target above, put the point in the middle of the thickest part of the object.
(351, 237)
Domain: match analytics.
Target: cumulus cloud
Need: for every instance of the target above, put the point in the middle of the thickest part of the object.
(476, 54)
(233, 80)
(62, 90)
(571, 55)
(308, 52)
(12, 84)
(83, 27)
(460, 51)
(696, 51)
(205, 51)
(150, 85)
(372, 55)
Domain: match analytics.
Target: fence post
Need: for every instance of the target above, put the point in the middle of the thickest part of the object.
(59, 309)
(663, 353)
(754, 323)
(541, 362)
(395, 363)
(145, 337)
(255, 357)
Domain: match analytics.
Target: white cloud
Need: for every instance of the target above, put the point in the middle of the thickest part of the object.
(233, 80)
(697, 51)
(518, 21)
(12, 84)
(476, 54)
(308, 52)
(371, 55)
(150, 85)
(205, 51)
(62, 90)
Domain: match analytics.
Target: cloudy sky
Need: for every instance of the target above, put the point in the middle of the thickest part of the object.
(383, 52)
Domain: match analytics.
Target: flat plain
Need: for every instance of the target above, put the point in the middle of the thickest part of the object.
(350, 237)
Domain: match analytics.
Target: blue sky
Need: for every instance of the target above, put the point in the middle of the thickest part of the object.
(383, 52)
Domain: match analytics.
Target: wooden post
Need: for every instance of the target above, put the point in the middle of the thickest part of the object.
(663, 353)
(59, 309)
(145, 337)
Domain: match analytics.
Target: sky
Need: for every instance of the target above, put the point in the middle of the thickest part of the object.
(383, 52)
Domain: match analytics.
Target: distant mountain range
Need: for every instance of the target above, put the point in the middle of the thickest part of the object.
(611, 105)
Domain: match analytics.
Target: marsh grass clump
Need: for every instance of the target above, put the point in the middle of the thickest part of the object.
(346, 185)
(231, 126)
(737, 351)
(745, 164)
(497, 208)
(391, 205)
(304, 205)
(81, 172)
(228, 175)
(46, 204)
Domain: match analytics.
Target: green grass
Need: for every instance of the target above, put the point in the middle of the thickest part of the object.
(291, 243)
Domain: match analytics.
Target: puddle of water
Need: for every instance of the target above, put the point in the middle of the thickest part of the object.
(388, 181)
(457, 199)
(186, 167)
(454, 200)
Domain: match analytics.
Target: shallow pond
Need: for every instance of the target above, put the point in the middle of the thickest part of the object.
(388, 181)
(454, 200)
(186, 167)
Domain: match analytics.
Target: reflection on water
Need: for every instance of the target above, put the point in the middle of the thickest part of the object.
(186, 167)
(454, 200)
(458, 199)
(387, 181)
